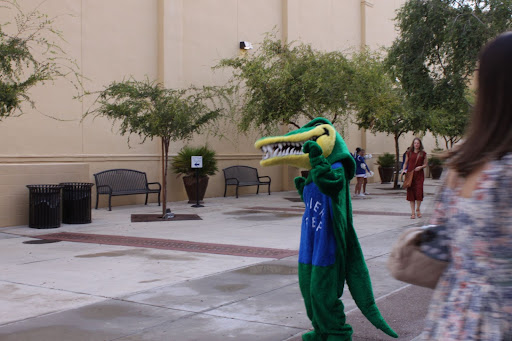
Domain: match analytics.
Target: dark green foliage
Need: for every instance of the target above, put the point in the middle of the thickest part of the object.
(435, 56)
(386, 160)
(282, 83)
(29, 55)
(149, 110)
(181, 163)
(434, 161)
(379, 102)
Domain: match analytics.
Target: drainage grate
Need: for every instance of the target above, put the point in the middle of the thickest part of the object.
(169, 244)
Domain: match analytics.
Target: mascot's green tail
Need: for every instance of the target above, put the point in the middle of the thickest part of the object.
(360, 286)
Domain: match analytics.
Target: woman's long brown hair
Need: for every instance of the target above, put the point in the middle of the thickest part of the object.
(489, 136)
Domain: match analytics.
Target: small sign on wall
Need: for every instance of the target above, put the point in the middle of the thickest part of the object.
(197, 162)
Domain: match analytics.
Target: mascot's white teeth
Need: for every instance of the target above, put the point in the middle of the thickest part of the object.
(282, 149)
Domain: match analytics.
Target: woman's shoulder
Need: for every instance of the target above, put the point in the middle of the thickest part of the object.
(501, 169)
(496, 174)
(492, 175)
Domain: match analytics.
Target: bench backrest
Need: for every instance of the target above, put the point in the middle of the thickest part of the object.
(242, 173)
(121, 180)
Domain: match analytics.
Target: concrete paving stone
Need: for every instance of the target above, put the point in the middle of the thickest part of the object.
(251, 298)
(102, 321)
(19, 301)
(283, 306)
(404, 311)
(7, 236)
(379, 243)
(213, 328)
(111, 271)
(382, 282)
(218, 290)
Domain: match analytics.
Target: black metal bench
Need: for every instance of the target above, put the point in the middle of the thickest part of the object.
(241, 176)
(116, 182)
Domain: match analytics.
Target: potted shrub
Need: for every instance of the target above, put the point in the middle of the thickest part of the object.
(181, 165)
(435, 164)
(386, 164)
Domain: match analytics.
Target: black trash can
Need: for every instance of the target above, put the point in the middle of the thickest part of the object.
(76, 202)
(44, 206)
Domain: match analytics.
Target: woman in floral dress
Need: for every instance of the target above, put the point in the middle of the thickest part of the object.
(473, 298)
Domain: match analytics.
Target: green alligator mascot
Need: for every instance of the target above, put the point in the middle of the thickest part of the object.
(329, 252)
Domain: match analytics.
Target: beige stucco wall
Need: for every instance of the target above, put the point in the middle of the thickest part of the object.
(14, 178)
(176, 42)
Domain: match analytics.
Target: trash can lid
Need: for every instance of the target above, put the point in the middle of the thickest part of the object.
(76, 184)
(45, 186)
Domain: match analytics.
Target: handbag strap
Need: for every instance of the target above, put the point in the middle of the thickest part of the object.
(417, 158)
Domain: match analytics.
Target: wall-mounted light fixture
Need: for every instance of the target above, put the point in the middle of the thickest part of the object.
(245, 45)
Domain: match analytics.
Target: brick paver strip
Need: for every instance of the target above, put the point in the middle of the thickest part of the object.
(301, 210)
(169, 244)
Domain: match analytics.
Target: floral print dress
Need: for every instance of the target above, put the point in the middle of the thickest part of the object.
(473, 298)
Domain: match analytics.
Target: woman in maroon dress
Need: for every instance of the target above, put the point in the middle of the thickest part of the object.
(415, 161)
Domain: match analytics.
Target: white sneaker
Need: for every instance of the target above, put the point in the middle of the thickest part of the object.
(361, 195)
(366, 193)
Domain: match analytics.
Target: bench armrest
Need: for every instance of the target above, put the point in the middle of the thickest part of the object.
(237, 181)
(155, 183)
(265, 176)
(107, 186)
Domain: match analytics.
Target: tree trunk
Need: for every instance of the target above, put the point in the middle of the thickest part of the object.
(397, 161)
(165, 159)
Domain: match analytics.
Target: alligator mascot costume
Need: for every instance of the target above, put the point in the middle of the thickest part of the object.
(329, 253)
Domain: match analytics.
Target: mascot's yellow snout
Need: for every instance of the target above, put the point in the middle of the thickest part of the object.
(287, 149)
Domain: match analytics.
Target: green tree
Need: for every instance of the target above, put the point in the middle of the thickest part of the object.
(282, 83)
(449, 126)
(29, 55)
(149, 110)
(435, 55)
(379, 102)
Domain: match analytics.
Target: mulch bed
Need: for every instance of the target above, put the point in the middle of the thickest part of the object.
(294, 199)
(144, 218)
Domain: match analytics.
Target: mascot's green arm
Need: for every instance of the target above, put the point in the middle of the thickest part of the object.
(300, 182)
(330, 182)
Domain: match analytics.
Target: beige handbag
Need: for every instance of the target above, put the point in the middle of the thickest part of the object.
(408, 264)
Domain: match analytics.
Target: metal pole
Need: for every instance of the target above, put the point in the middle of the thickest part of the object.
(197, 190)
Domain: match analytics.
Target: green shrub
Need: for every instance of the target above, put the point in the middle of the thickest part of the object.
(386, 160)
(434, 161)
(182, 165)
